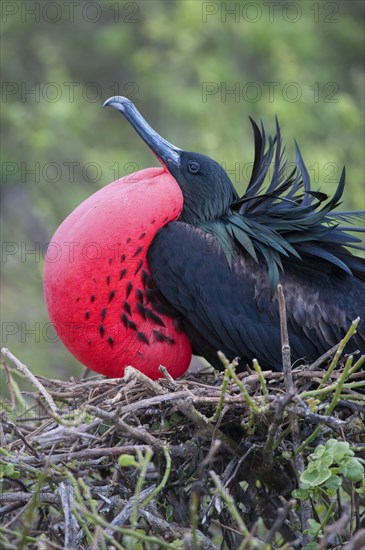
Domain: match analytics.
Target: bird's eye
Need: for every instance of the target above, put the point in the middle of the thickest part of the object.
(193, 166)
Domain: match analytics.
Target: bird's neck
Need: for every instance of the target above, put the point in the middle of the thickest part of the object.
(203, 213)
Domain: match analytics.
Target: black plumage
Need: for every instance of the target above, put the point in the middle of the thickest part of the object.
(219, 265)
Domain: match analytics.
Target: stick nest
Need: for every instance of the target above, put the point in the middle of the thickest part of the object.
(209, 461)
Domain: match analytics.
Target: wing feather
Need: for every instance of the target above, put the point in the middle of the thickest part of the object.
(230, 309)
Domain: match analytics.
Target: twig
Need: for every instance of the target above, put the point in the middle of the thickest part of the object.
(66, 493)
(224, 387)
(236, 516)
(230, 368)
(340, 385)
(22, 496)
(314, 417)
(140, 536)
(334, 529)
(22, 437)
(10, 386)
(24, 370)
(357, 542)
(262, 381)
(273, 433)
(139, 433)
(124, 514)
(27, 538)
(161, 525)
(194, 505)
(170, 380)
(339, 351)
(227, 477)
(164, 479)
(131, 373)
(305, 506)
(285, 346)
(323, 358)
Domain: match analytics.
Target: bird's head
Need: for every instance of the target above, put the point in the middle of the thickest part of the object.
(207, 190)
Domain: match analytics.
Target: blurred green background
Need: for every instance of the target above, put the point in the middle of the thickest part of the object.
(196, 70)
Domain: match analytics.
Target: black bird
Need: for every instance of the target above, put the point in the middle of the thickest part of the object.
(218, 266)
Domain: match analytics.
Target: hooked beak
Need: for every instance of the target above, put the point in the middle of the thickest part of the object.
(166, 153)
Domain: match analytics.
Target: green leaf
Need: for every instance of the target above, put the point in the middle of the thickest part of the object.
(127, 460)
(334, 482)
(319, 451)
(338, 449)
(361, 490)
(155, 426)
(316, 477)
(325, 461)
(352, 469)
(176, 419)
(314, 528)
(169, 513)
(8, 470)
(312, 466)
(301, 493)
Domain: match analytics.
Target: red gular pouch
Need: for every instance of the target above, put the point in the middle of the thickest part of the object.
(97, 284)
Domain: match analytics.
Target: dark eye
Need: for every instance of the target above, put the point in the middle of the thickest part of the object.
(193, 166)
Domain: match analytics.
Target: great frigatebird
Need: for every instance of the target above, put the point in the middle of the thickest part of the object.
(181, 259)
